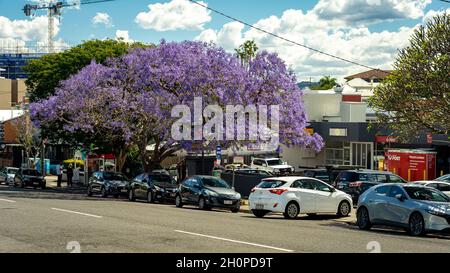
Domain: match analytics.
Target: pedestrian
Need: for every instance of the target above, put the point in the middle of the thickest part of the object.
(59, 174)
(69, 175)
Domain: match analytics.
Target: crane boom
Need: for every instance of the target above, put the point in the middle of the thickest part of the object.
(54, 9)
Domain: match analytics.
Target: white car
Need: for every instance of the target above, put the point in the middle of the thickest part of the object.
(7, 175)
(274, 165)
(439, 185)
(293, 195)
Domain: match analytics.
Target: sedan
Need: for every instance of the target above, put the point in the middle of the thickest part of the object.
(442, 186)
(416, 208)
(7, 175)
(207, 192)
(153, 187)
(293, 195)
(29, 178)
(106, 183)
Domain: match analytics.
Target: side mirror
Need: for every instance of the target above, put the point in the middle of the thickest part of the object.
(400, 197)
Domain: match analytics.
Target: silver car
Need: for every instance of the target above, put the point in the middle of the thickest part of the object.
(418, 209)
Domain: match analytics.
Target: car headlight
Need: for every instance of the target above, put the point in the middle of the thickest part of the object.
(436, 211)
(292, 169)
(211, 193)
(238, 196)
(276, 170)
(158, 188)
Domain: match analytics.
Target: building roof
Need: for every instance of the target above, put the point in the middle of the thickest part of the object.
(374, 73)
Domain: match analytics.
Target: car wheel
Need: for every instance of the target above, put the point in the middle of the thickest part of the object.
(43, 187)
(363, 219)
(344, 209)
(89, 191)
(116, 195)
(416, 225)
(131, 196)
(259, 213)
(178, 201)
(202, 203)
(235, 210)
(150, 198)
(104, 192)
(291, 211)
(22, 185)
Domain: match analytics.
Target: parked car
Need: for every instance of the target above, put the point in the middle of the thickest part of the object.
(26, 177)
(250, 171)
(442, 186)
(161, 171)
(293, 195)
(274, 165)
(444, 178)
(207, 192)
(107, 183)
(355, 182)
(153, 187)
(321, 174)
(173, 171)
(418, 209)
(7, 175)
(236, 166)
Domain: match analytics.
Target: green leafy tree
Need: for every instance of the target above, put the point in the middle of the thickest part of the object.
(45, 74)
(416, 95)
(247, 51)
(325, 83)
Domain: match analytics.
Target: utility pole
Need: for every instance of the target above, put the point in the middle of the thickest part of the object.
(43, 159)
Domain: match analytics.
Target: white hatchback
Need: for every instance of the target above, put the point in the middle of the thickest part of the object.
(292, 195)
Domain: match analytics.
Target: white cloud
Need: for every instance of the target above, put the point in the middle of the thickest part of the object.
(123, 35)
(357, 12)
(376, 49)
(177, 14)
(229, 37)
(431, 13)
(26, 30)
(102, 18)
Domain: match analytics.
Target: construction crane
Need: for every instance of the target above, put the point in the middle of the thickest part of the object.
(54, 10)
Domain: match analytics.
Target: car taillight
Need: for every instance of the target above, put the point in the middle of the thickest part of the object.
(355, 184)
(278, 191)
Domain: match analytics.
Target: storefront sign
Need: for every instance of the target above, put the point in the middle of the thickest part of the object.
(338, 132)
(385, 139)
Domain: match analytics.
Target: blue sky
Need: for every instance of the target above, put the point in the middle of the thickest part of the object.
(368, 31)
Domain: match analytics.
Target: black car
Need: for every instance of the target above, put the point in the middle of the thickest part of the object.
(321, 174)
(26, 177)
(153, 187)
(355, 182)
(106, 183)
(207, 192)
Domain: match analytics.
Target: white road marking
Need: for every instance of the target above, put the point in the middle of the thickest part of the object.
(7, 200)
(76, 212)
(234, 241)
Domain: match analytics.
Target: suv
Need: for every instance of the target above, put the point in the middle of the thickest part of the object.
(29, 177)
(274, 165)
(355, 182)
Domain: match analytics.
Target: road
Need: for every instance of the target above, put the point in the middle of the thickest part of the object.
(51, 221)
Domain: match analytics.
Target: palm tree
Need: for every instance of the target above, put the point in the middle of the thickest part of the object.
(247, 51)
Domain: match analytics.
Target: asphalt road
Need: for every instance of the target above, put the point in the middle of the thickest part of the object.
(51, 221)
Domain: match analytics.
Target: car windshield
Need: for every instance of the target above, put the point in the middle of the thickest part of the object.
(114, 176)
(163, 179)
(215, 182)
(11, 171)
(444, 178)
(426, 194)
(267, 184)
(31, 172)
(272, 162)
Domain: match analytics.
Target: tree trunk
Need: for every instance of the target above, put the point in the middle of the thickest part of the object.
(120, 159)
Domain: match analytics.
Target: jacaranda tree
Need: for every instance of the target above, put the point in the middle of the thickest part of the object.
(129, 100)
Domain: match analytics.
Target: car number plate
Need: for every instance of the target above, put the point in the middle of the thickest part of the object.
(228, 202)
(172, 194)
(259, 206)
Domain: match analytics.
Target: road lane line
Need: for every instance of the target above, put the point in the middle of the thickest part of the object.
(7, 200)
(77, 212)
(234, 241)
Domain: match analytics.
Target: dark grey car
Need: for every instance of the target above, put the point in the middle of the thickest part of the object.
(207, 192)
(106, 183)
(416, 208)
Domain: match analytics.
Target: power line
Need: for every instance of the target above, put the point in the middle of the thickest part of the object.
(285, 39)
(446, 1)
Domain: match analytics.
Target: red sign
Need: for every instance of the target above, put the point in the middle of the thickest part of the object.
(429, 138)
(411, 165)
(386, 139)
